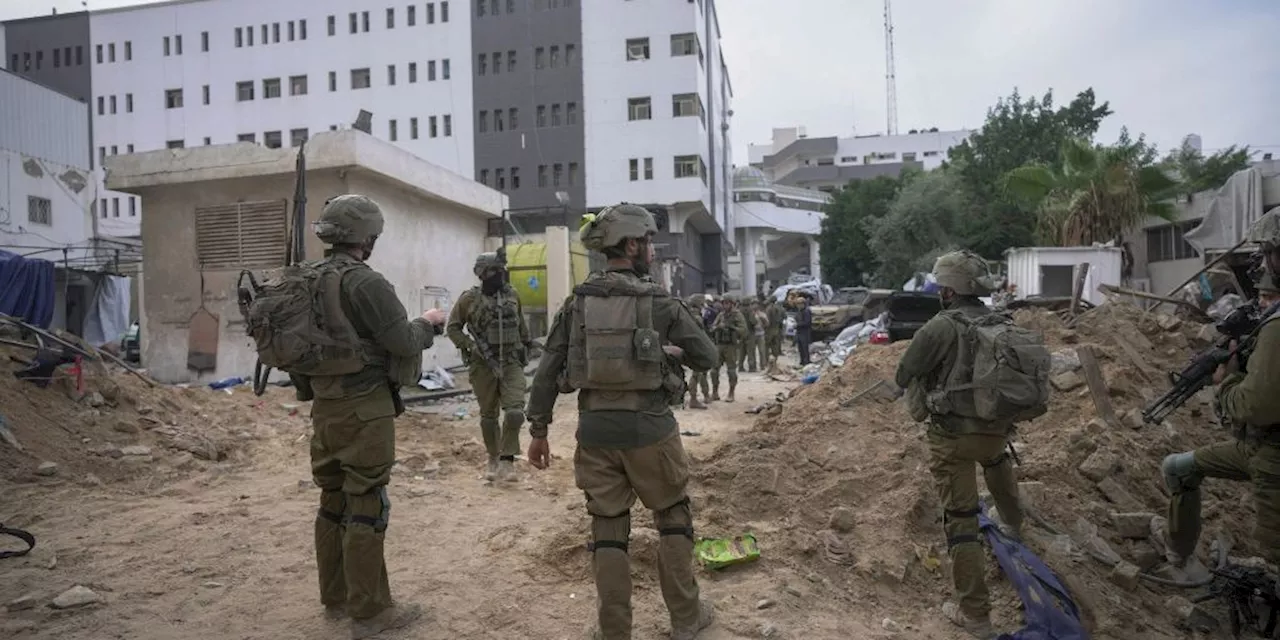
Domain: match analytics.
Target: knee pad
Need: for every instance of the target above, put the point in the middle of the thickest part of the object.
(610, 533)
(332, 506)
(1181, 475)
(372, 509)
(675, 520)
(961, 516)
(513, 417)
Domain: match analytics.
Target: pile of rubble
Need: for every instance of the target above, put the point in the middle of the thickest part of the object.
(842, 480)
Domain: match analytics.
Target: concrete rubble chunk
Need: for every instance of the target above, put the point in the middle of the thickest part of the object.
(1133, 419)
(1145, 555)
(47, 469)
(136, 450)
(1167, 322)
(1135, 526)
(22, 604)
(1190, 615)
(126, 426)
(1125, 576)
(842, 519)
(1099, 465)
(1030, 494)
(1067, 381)
(76, 596)
(1118, 495)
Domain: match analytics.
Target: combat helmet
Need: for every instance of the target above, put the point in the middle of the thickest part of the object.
(964, 272)
(1267, 282)
(1265, 231)
(349, 219)
(615, 224)
(730, 298)
(486, 261)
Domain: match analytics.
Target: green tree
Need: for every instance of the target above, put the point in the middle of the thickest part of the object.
(1094, 193)
(920, 225)
(1198, 172)
(846, 256)
(1018, 131)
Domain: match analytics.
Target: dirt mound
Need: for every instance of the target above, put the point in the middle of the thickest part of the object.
(844, 491)
(113, 427)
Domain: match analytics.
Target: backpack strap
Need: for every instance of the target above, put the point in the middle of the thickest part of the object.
(21, 535)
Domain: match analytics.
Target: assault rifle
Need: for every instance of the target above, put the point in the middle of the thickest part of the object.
(1240, 327)
(485, 351)
(1243, 589)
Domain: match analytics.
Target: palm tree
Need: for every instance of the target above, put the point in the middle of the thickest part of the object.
(1095, 194)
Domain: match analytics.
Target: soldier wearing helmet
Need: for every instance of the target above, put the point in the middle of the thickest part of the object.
(956, 443)
(730, 333)
(699, 380)
(620, 340)
(1249, 402)
(353, 443)
(487, 325)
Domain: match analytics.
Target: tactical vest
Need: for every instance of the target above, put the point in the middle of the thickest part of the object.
(497, 318)
(723, 332)
(615, 354)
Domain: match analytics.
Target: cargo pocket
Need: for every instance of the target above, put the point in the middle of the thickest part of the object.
(648, 346)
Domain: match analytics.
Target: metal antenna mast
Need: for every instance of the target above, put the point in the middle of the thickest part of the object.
(890, 75)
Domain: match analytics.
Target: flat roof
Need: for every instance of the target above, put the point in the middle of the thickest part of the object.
(349, 149)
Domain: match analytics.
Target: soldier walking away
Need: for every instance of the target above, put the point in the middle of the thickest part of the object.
(487, 325)
(773, 333)
(698, 381)
(1250, 403)
(804, 329)
(762, 328)
(729, 331)
(747, 357)
(971, 419)
(356, 349)
(608, 343)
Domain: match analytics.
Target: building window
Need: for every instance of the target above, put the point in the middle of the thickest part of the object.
(555, 56)
(244, 91)
(360, 78)
(173, 98)
(571, 113)
(497, 120)
(570, 55)
(133, 208)
(1168, 242)
(392, 132)
(573, 173)
(542, 116)
(249, 32)
(639, 109)
(511, 61)
(333, 80)
(175, 144)
(111, 54)
(500, 179)
(208, 141)
(687, 166)
(515, 178)
(57, 58)
(391, 75)
(298, 136)
(39, 210)
(684, 44)
(130, 149)
(177, 45)
(482, 64)
(431, 71)
(204, 93)
(648, 168)
(204, 40)
(542, 175)
(513, 118)
(431, 126)
(354, 22)
(511, 6)
(28, 57)
(557, 171)
(102, 105)
(444, 12)
(115, 150)
(242, 234)
(555, 115)
(247, 137)
(539, 58)
(79, 55)
(497, 62)
(113, 105)
(271, 88)
(413, 72)
(297, 85)
(411, 15)
(391, 17)
(444, 64)
(431, 13)
(908, 156)
(364, 21)
(239, 37)
(448, 126)
(128, 52)
(482, 122)
(634, 166)
(638, 49)
(930, 154)
(128, 103)
(271, 139)
(166, 47)
(413, 122)
(333, 25)
(481, 7)
(115, 207)
(484, 177)
(686, 104)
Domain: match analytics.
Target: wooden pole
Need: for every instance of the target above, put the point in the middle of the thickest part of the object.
(1082, 273)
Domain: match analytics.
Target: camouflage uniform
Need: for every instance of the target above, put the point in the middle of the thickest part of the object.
(773, 333)
(747, 358)
(628, 440)
(729, 332)
(1250, 402)
(698, 380)
(495, 319)
(354, 441)
(956, 443)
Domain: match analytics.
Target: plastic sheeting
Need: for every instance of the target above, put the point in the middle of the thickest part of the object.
(27, 289)
(1236, 206)
(852, 336)
(108, 318)
(815, 289)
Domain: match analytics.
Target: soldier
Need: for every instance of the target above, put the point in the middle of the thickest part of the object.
(698, 381)
(496, 352)
(747, 355)
(608, 342)
(804, 328)
(773, 333)
(1250, 403)
(957, 442)
(762, 328)
(729, 331)
(354, 442)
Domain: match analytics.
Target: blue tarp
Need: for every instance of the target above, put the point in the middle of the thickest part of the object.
(1048, 610)
(27, 289)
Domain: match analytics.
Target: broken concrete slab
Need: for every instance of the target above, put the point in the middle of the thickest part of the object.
(1124, 575)
(1067, 381)
(1099, 465)
(1132, 525)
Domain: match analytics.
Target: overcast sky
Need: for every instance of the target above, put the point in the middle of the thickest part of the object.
(1168, 67)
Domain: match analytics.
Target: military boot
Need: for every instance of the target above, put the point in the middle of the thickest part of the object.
(706, 616)
(396, 616)
(715, 393)
(693, 402)
(976, 627)
(491, 469)
(732, 388)
(507, 471)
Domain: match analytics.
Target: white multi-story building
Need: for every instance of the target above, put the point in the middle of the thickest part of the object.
(793, 158)
(550, 101)
(777, 229)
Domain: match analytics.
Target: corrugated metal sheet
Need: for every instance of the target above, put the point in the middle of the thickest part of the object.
(1027, 268)
(38, 122)
(244, 234)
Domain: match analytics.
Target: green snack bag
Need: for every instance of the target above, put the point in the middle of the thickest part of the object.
(718, 553)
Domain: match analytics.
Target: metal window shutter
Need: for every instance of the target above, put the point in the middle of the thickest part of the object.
(245, 234)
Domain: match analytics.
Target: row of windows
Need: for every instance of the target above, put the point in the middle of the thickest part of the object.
(509, 119)
(437, 126)
(682, 44)
(101, 209)
(552, 175)
(61, 58)
(494, 7)
(359, 22)
(781, 201)
(682, 105)
(270, 34)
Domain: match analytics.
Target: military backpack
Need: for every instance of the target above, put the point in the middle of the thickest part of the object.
(612, 343)
(1000, 375)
